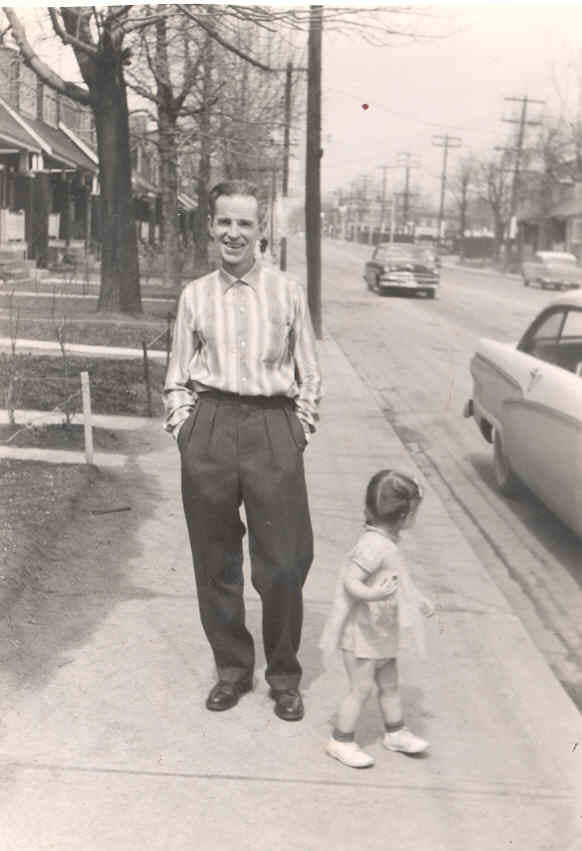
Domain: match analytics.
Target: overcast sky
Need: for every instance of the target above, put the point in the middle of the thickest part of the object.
(453, 83)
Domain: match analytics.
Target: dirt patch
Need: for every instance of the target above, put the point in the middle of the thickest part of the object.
(37, 501)
(69, 536)
(58, 436)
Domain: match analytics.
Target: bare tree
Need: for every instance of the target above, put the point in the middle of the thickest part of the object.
(96, 36)
(462, 183)
(168, 72)
(494, 186)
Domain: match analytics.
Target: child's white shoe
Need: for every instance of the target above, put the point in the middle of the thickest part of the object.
(349, 753)
(404, 741)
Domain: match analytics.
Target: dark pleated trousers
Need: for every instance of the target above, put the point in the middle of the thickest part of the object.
(239, 450)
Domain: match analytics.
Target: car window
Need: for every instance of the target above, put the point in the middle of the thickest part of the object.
(541, 340)
(573, 324)
(570, 345)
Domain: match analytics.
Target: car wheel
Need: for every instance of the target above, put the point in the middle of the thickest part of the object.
(505, 479)
(431, 294)
(525, 281)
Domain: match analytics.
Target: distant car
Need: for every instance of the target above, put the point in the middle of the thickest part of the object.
(402, 267)
(527, 401)
(557, 270)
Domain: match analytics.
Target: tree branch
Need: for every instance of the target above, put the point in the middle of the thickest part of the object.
(227, 45)
(33, 61)
(67, 38)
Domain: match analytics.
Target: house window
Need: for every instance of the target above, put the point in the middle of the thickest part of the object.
(49, 107)
(69, 113)
(28, 86)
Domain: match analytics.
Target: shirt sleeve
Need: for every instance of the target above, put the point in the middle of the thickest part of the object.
(307, 370)
(179, 397)
(369, 553)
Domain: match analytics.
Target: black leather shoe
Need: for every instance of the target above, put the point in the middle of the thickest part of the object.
(288, 704)
(225, 695)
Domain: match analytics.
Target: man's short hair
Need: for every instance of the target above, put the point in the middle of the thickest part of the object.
(231, 187)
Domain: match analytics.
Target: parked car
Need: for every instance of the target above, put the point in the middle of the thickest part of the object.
(557, 270)
(527, 402)
(402, 267)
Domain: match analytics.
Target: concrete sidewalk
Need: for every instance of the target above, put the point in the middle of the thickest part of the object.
(48, 347)
(113, 749)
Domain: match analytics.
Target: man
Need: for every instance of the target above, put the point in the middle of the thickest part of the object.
(241, 395)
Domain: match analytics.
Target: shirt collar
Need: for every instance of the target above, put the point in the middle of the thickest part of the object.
(370, 528)
(251, 278)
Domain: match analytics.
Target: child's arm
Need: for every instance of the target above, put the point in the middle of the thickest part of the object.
(425, 605)
(356, 587)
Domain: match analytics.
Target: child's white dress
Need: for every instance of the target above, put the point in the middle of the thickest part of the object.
(370, 630)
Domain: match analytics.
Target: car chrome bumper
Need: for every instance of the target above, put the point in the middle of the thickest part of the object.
(389, 283)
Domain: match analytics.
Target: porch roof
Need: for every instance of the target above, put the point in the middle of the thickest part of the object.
(186, 203)
(29, 134)
(63, 149)
(14, 134)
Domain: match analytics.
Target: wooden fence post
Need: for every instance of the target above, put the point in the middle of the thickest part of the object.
(168, 338)
(87, 420)
(146, 375)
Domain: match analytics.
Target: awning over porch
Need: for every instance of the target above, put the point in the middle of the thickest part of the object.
(13, 133)
(63, 150)
(22, 134)
(185, 203)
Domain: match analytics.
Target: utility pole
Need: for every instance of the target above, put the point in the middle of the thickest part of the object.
(383, 169)
(518, 152)
(523, 122)
(286, 148)
(313, 169)
(405, 159)
(444, 142)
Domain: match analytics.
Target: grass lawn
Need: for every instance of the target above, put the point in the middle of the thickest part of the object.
(93, 330)
(117, 386)
(59, 436)
(76, 306)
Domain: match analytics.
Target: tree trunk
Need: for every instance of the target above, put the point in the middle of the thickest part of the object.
(120, 288)
(169, 180)
(202, 237)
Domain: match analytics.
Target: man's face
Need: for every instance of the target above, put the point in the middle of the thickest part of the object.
(235, 229)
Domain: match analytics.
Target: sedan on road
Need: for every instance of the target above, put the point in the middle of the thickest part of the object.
(556, 270)
(527, 402)
(403, 267)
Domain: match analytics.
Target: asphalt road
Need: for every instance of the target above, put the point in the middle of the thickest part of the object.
(414, 354)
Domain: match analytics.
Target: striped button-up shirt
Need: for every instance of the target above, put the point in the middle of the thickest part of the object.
(251, 336)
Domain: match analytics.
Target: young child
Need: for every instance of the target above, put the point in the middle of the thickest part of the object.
(374, 593)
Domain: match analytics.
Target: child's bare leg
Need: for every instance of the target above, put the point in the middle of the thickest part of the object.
(341, 745)
(397, 737)
(361, 676)
(386, 675)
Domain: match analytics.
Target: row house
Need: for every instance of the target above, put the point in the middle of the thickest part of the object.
(550, 216)
(49, 171)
